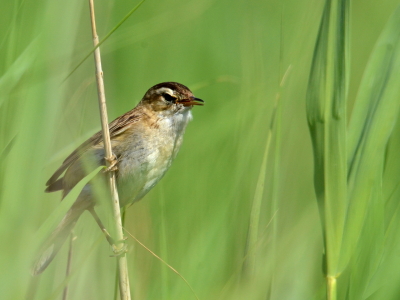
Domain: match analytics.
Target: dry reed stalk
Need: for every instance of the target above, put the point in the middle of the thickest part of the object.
(121, 259)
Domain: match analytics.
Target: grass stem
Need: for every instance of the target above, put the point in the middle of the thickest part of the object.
(121, 259)
(331, 288)
(68, 268)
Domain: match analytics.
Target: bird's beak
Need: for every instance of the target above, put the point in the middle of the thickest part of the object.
(191, 101)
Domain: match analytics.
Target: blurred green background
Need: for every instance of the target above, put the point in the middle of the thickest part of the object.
(232, 54)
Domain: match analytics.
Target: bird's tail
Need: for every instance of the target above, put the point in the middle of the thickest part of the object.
(57, 238)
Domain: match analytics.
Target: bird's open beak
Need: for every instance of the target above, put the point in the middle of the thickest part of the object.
(191, 101)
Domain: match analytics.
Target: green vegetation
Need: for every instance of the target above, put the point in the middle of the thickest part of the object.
(237, 215)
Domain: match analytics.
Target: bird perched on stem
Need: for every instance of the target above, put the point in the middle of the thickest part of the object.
(144, 142)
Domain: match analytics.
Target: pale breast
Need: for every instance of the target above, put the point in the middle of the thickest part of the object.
(149, 155)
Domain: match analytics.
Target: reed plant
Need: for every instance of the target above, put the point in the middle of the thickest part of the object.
(349, 160)
(239, 213)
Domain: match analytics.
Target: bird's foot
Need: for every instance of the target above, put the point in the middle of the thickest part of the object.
(119, 248)
(113, 164)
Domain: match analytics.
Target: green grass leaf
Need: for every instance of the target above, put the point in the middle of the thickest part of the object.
(373, 118)
(326, 113)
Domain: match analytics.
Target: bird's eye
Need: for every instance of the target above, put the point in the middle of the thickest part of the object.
(169, 97)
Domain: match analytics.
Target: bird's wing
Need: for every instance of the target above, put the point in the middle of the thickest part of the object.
(116, 127)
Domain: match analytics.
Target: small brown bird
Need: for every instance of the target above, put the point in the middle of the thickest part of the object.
(145, 141)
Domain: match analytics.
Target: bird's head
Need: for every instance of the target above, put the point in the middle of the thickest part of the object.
(170, 97)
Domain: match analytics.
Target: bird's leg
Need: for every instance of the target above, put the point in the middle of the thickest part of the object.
(117, 250)
(113, 164)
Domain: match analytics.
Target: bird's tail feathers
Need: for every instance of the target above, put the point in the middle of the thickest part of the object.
(56, 240)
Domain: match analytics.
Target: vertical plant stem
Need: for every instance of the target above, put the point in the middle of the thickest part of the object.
(163, 246)
(116, 281)
(331, 288)
(68, 269)
(326, 112)
(121, 260)
(276, 131)
(257, 201)
(256, 207)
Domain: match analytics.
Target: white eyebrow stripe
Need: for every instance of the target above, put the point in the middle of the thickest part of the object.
(165, 90)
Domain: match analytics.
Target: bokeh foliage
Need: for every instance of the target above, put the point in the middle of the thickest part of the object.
(232, 54)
